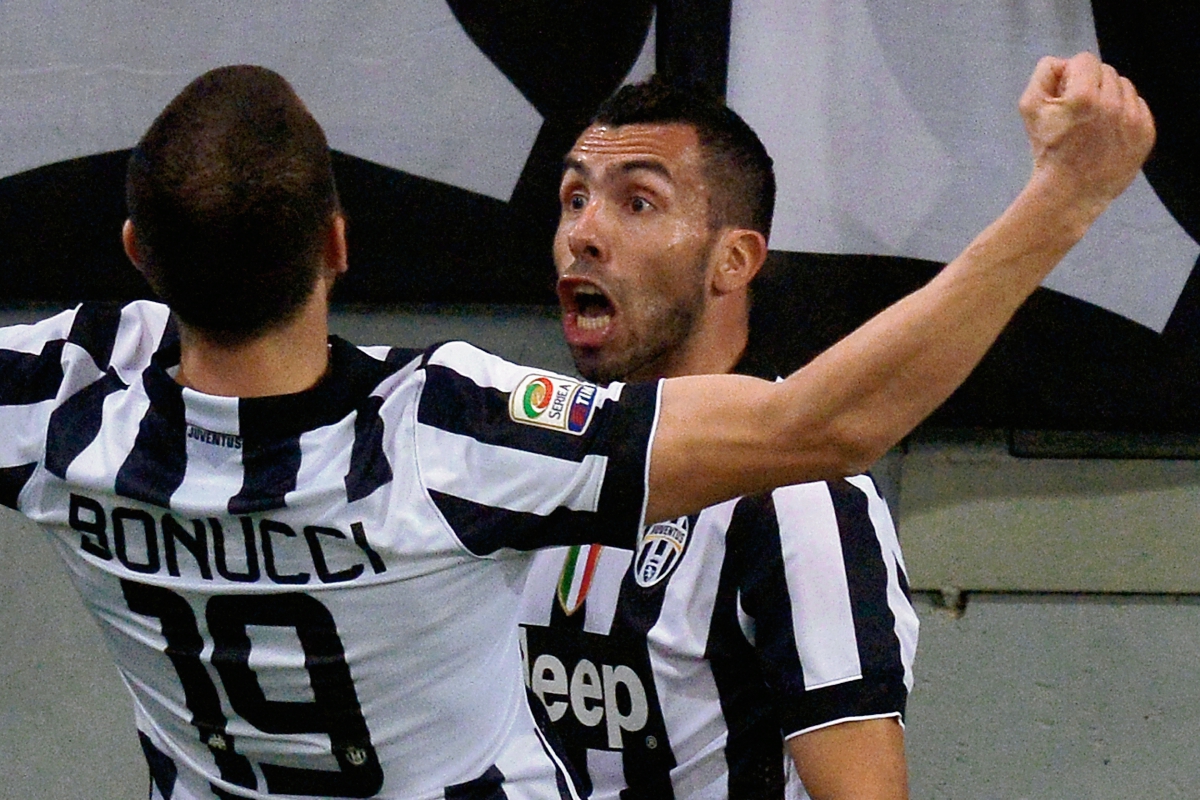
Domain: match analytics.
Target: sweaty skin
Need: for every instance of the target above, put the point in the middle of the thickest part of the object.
(633, 251)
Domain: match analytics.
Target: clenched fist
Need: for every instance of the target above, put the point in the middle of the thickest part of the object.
(1089, 128)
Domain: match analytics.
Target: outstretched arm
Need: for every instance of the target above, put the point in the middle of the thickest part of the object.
(722, 436)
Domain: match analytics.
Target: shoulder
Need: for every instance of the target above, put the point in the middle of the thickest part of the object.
(484, 369)
(459, 377)
(107, 334)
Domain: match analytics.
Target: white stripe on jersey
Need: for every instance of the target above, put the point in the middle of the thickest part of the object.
(212, 470)
(503, 477)
(317, 474)
(210, 412)
(492, 372)
(31, 338)
(686, 688)
(541, 591)
(822, 619)
(606, 768)
(95, 467)
(523, 765)
(24, 431)
(138, 336)
(379, 352)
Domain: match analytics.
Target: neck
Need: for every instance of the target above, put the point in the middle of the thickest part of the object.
(284, 360)
(714, 348)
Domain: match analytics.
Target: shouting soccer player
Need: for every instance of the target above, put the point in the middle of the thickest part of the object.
(678, 669)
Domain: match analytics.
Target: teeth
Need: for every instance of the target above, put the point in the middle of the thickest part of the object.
(591, 291)
(593, 323)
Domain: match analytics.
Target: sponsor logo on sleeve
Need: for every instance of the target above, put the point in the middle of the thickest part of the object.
(659, 549)
(553, 402)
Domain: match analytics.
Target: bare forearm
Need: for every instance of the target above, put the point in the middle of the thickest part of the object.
(877, 384)
(841, 412)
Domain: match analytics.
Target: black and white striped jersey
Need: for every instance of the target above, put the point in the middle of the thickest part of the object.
(678, 669)
(316, 595)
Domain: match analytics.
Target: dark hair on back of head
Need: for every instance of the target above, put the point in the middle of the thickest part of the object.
(740, 172)
(231, 195)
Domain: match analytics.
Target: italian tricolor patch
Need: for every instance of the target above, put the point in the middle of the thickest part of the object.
(576, 578)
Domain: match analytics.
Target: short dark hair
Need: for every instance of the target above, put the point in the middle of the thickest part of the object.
(740, 172)
(231, 195)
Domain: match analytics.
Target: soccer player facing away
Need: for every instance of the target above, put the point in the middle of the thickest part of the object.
(307, 557)
(679, 668)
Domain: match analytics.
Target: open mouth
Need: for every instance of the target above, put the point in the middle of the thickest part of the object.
(587, 312)
(593, 309)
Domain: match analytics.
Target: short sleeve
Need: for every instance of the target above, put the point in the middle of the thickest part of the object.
(826, 598)
(518, 458)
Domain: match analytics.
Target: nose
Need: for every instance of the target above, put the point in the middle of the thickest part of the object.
(586, 233)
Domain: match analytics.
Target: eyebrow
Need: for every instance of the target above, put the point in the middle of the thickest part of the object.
(575, 165)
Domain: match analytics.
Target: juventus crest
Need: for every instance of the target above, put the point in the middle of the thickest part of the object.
(659, 549)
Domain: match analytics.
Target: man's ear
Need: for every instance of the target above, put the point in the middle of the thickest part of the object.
(740, 255)
(335, 246)
(129, 240)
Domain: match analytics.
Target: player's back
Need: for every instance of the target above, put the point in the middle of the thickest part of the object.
(289, 606)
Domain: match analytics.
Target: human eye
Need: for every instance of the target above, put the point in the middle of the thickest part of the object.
(639, 204)
(573, 199)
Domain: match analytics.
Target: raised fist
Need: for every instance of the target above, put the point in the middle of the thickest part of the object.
(1089, 128)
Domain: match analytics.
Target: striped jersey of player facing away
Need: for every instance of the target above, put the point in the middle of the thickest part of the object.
(313, 594)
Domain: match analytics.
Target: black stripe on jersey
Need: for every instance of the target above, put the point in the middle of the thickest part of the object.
(95, 330)
(754, 749)
(269, 469)
(76, 423)
(485, 529)
(875, 695)
(170, 335)
(12, 481)
(866, 573)
(163, 771)
(30, 378)
(765, 597)
(488, 786)
(625, 431)
(155, 466)
(647, 766)
(402, 356)
(369, 467)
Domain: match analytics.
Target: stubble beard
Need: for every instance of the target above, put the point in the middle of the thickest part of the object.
(664, 330)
